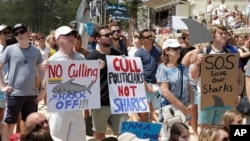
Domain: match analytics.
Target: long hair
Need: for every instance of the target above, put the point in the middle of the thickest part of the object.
(176, 131)
(211, 132)
(228, 117)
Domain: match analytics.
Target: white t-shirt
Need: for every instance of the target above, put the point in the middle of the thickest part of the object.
(209, 9)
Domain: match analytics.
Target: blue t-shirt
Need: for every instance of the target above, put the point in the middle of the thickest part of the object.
(22, 65)
(174, 77)
(149, 62)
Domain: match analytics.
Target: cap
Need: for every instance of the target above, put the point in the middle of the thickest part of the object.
(171, 43)
(3, 26)
(63, 30)
(19, 25)
(127, 136)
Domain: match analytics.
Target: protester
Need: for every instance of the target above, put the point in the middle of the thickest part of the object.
(66, 125)
(247, 86)
(189, 61)
(231, 117)
(150, 56)
(214, 133)
(116, 35)
(218, 46)
(21, 89)
(103, 117)
(37, 118)
(172, 78)
(36, 134)
(179, 132)
(5, 31)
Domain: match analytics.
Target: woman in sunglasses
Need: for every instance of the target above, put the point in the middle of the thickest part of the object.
(173, 81)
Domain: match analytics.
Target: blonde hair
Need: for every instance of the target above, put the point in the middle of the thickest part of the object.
(211, 133)
(228, 117)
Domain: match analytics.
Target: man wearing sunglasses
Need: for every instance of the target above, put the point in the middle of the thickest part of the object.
(117, 43)
(102, 117)
(66, 125)
(22, 59)
(150, 56)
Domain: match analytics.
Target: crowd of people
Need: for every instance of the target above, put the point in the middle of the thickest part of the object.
(171, 73)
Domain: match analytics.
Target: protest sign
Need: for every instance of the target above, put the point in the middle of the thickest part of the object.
(219, 81)
(117, 12)
(142, 130)
(73, 85)
(126, 85)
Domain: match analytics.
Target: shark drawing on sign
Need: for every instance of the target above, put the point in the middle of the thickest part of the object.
(70, 87)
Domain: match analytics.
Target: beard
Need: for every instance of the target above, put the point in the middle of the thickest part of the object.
(116, 38)
(106, 44)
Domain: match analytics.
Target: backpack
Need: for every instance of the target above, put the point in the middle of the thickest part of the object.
(207, 50)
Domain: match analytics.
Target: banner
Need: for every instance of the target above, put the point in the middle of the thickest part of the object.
(73, 85)
(142, 130)
(117, 12)
(126, 85)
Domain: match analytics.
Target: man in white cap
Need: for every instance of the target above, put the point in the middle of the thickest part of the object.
(66, 125)
(22, 59)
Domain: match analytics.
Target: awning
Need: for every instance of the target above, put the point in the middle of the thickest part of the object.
(155, 4)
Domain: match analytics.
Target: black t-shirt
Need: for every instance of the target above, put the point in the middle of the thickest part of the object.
(184, 51)
(94, 55)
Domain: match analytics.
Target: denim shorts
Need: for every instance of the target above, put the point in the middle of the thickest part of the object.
(196, 94)
(209, 117)
(154, 98)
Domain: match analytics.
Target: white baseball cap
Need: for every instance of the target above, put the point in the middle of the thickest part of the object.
(127, 136)
(63, 30)
(3, 26)
(171, 43)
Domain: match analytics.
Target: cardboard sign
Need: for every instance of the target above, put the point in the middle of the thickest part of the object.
(219, 81)
(126, 85)
(73, 85)
(143, 130)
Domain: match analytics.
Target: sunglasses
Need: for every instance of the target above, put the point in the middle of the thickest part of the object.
(107, 35)
(116, 31)
(19, 32)
(148, 37)
(41, 38)
(175, 49)
(5, 33)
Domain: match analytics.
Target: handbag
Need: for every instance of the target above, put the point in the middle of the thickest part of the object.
(243, 106)
(170, 113)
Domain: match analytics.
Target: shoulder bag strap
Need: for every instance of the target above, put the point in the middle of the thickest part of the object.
(181, 82)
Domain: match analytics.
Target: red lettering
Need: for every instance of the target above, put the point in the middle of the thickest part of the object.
(55, 71)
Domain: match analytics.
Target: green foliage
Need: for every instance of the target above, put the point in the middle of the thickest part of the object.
(46, 15)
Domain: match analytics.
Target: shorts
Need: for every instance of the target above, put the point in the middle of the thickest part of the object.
(209, 117)
(17, 104)
(2, 99)
(196, 94)
(154, 98)
(103, 117)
